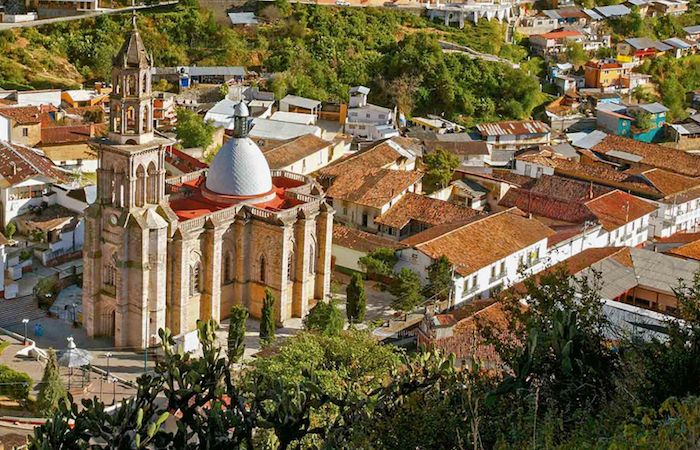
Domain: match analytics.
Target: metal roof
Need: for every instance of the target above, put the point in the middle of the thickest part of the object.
(273, 129)
(514, 127)
(359, 90)
(592, 14)
(692, 30)
(235, 71)
(243, 18)
(590, 140)
(624, 155)
(677, 43)
(613, 10)
(302, 102)
(654, 108)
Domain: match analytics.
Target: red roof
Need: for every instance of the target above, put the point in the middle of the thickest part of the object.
(66, 134)
(617, 208)
(560, 34)
(18, 163)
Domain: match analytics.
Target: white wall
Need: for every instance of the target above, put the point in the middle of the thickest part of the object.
(38, 98)
(631, 234)
(670, 219)
(532, 170)
(594, 237)
(5, 128)
(347, 257)
(13, 207)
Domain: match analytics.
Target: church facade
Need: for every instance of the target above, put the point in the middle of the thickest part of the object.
(163, 252)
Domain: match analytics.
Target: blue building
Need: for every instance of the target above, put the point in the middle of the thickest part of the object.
(644, 123)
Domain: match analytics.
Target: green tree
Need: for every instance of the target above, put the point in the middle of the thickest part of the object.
(267, 318)
(406, 289)
(52, 390)
(236, 333)
(380, 261)
(575, 53)
(356, 306)
(325, 317)
(439, 279)
(10, 230)
(440, 165)
(192, 131)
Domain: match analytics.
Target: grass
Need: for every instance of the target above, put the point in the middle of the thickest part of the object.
(3, 346)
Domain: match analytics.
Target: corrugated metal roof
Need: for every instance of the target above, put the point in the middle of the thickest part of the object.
(590, 140)
(624, 155)
(592, 14)
(514, 127)
(243, 18)
(613, 10)
(302, 102)
(654, 108)
(692, 30)
(677, 43)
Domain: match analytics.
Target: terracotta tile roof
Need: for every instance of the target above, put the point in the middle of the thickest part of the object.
(555, 198)
(460, 148)
(361, 240)
(617, 208)
(466, 341)
(678, 238)
(690, 250)
(66, 134)
(510, 177)
(561, 34)
(653, 155)
(18, 163)
(513, 127)
(604, 174)
(295, 150)
(426, 210)
(671, 184)
(379, 156)
(70, 152)
(24, 115)
(183, 162)
(372, 187)
(488, 239)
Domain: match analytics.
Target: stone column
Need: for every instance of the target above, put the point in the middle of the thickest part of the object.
(302, 231)
(324, 236)
(179, 295)
(211, 259)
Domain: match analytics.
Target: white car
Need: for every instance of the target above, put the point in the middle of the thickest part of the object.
(342, 2)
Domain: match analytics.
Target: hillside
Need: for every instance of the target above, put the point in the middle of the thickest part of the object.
(313, 51)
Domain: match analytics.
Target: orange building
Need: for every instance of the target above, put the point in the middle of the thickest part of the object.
(602, 74)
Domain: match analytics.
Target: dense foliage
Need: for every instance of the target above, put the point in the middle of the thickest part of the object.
(356, 304)
(236, 333)
(325, 318)
(52, 391)
(192, 131)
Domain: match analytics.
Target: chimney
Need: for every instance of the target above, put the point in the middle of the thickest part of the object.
(14, 167)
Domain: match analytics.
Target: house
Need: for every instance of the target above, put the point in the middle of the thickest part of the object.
(680, 47)
(505, 138)
(273, 130)
(495, 183)
(612, 11)
(692, 33)
(50, 8)
(669, 7)
(470, 153)
(62, 233)
(640, 48)
(463, 192)
(685, 132)
(414, 213)
(679, 206)
(368, 121)
(68, 146)
(642, 122)
(642, 6)
(459, 13)
(551, 43)
(22, 124)
(31, 98)
(621, 150)
(603, 73)
(84, 97)
(361, 195)
(306, 154)
(488, 253)
(568, 16)
(393, 154)
(690, 250)
(186, 76)
(582, 214)
(636, 286)
(164, 113)
(294, 117)
(293, 103)
(457, 333)
(26, 177)
(351, 244)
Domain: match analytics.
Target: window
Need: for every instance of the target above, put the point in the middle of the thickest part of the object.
(312, 258)
(110, 273)
(262, 269)
(25, 132)
(195, 279)
(228, 268)
(290, 266)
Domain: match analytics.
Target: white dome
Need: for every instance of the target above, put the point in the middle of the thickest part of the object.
(239, 169)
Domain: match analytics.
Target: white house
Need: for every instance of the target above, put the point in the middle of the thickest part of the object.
(294, 103)
(505, 138)
(487, 254)
(26, 178)
(306, 154)
(368, 121)
(679, 209)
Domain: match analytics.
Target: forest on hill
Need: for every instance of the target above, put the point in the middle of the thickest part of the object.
(311, 51)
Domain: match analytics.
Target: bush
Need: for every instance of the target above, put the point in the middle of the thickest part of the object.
(325, 318)
(14, 384)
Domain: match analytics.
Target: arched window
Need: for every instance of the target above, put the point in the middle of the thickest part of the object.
(151, 184)
(117, 118)
(262, 269)
(195, 279)
(227, 273)
(312, 258)
(146, 121)
(110, 272)
(131, 80)
(140, 186)
(144, 83)
(290, 266)
(130, 120)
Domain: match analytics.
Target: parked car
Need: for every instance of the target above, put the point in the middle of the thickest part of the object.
(342, 2)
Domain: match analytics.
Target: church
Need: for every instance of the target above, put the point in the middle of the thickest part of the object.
(165, 252)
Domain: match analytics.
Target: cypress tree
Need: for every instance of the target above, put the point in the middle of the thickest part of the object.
(356, 299)
(236, 333)
(52, 390)
(267, 318)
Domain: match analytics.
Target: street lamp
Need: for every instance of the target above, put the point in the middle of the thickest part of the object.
(25, 322)
(75, 317)
(108, 355)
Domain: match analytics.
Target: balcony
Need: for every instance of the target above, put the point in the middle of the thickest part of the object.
(497, 277)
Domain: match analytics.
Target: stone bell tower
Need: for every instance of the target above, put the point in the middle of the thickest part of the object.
(131, 105)
(124, 278)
